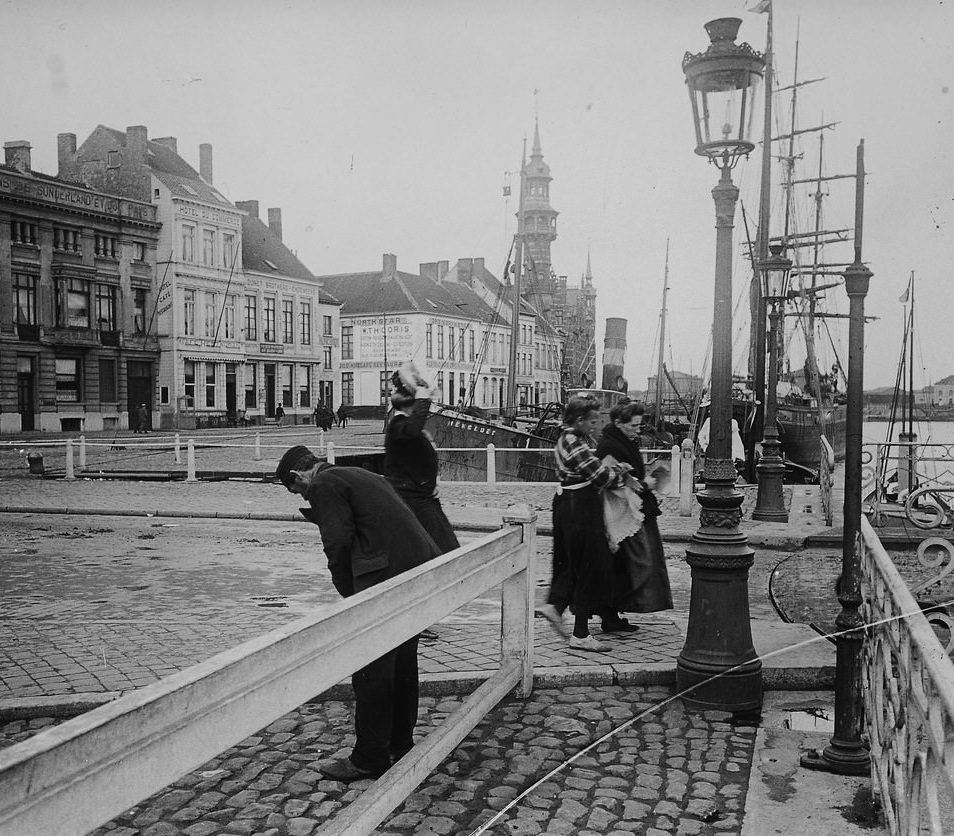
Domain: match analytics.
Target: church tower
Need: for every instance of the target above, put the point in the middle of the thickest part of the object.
(539, 228)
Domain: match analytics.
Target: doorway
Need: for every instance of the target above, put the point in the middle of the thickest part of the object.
(269, 390)
(26, 393)
(139, 390)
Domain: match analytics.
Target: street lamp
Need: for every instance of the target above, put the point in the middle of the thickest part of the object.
(770, 506)
(718, 667)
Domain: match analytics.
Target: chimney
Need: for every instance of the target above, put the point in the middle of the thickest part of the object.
(136, 138)
(465, 271)
(65, 152)
(275, 222)
(250, 206)
(478, 266)
(390, 267)
(169, 142)
(429, 271)
(17, 154)
(442, 270)
(205, 164)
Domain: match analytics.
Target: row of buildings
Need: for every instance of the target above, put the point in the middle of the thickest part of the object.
(128, 278)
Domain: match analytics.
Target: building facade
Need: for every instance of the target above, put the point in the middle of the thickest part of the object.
(78, 350)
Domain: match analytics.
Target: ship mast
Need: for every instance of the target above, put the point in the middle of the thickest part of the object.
(510, 409)
(662, 344)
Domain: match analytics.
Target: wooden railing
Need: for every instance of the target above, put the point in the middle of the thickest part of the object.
(77, 776)
(909, 699)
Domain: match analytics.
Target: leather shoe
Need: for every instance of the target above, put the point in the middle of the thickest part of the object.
(621, 626)
(344, 770)
(555, 618)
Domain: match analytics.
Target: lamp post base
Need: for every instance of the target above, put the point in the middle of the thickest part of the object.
(770, 505)
(840, 759)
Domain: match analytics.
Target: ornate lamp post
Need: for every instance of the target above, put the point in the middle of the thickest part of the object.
(718, 667)
(770, 506)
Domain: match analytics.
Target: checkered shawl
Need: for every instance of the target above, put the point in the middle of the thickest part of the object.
(576, 461)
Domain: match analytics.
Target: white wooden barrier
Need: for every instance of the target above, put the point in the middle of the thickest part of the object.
(70, 475)
(72, 778)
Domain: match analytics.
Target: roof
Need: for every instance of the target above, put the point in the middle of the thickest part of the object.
(264, 252)
(945, 381)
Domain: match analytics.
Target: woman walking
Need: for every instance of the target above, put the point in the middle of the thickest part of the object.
(640, 559)
(582, 562)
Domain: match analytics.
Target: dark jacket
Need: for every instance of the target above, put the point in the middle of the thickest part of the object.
(368, 533)
(613, 442)
(410, 460)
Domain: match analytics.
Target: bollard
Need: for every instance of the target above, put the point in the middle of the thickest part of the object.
(177, 449)
(331, 452)
(491, 464)
(321, 439)
(687, 478)
(35, 463)
(69, 477)
(190, 462)
(257, 454)
(82, 456)
(674, 487)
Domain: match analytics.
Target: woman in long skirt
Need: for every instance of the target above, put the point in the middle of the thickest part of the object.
(643, 581)
(582, 562)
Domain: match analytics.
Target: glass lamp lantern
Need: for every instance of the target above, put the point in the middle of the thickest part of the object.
(775, 269)
(723, 85)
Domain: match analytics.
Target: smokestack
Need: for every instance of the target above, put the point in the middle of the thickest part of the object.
(390, 267)
(250, 206)
(614, 354)
(205, 163)
(169, 142)
(275, 222)
(17, 155)
(136, 138)
(65, 151)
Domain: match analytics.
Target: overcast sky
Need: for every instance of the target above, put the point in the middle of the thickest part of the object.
(381, 126)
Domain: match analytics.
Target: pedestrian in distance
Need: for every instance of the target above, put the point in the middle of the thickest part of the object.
(279, 415)
(639, 561)
(342, 414)
(142, 419)
(369, 536)
(582, 578)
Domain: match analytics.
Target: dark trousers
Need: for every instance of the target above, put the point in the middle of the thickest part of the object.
(385, 713)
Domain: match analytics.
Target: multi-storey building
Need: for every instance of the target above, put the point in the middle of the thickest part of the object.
(78, 345)
(291, 326)
(577, 306)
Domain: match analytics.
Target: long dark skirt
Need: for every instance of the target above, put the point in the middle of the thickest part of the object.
(582, 562)
(641, 562)
(431, 515)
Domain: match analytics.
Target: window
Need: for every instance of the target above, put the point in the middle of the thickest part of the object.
(208, 247)
(347, 387)
(107, 381)
(210, 384)
(288, 372)
(251, 317)
(66, 239)
(440, 342)
(384, 384)
(72, 303)
(228, 250)
(105, 307)
(24, 298)
(251, 387)
(288, 321)
(451, 344)
(304, 323)
(472, 345)
(429, 341)
(210, 314)
(67, 379)
(188, 242)
(304, 385)
(229, 317)
(347, 342)
(326, 356)
(440, 387)
(139, 251)
(189, 376)
(22, 232)
(451, 395)
(268, 316)
(105, 246)
(326, 326)
(188, 312)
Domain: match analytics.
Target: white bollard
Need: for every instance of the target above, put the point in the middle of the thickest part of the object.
(178, 451)
(69, 477)
(190, 462)
(257, 454)
(82, 457)
(687, 478)
(321, 439)
(331, 452)
(491, 464)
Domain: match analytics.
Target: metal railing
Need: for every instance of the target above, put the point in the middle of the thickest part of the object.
(931, 467)
(909, 697)
(826, 469)
(77, 776)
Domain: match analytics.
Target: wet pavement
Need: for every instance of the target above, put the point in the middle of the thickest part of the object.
(109, 585)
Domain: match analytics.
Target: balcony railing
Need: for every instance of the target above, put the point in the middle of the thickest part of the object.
(109, 338)
(27, 331)
(909, 693)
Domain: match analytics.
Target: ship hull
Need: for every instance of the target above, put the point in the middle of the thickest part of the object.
(800, 435)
